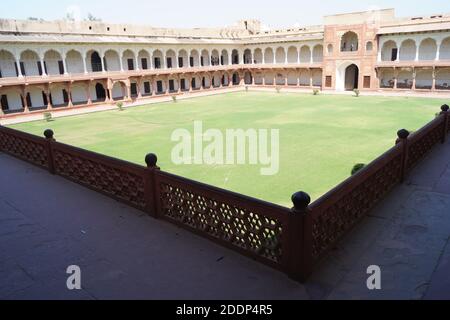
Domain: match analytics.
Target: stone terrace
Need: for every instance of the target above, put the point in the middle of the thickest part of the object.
(48, 223)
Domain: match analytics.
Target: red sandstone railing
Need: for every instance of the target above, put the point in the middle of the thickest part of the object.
(291, 240)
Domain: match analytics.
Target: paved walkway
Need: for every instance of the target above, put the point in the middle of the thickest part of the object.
(48, 223)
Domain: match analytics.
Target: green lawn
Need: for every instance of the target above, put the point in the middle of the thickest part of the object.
(321, 137)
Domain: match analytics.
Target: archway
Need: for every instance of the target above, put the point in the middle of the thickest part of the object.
(351, 77)
(100, 92)
(347, 76)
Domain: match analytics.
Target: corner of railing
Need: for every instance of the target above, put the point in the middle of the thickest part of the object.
(299, 246)
(49, 139)
(445, 114)
(151, 191)
(402, 139)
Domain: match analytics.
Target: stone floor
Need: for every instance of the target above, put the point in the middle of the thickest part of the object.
(48, 223)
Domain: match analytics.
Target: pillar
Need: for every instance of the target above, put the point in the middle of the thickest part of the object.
(44, 73)
(65, 66)
(85, 65)
(103, 63)
(128, 87)
(438, 51)
(139, 87)
(433, 87)
(395, 78)
(88, 88)
(137, 62)
(19, 69)
(417, 53)
(47, 95)
(311, 83)
(69, 93)
(121, 61)
(414, 80)
(25, 102)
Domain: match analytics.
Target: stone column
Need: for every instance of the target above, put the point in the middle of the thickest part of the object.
(19, 69)
(121, 62)
(433, 87)
(438, 51)
(47, 95)
(44, 73)
(85, 65)
(140, 81)
(65, 65)
(103, 63)
(395, 78)
(88, 93)
(414, 80)
(417, 53)
(311, 83)
(137, 62)
(25, 102)
(69, 93)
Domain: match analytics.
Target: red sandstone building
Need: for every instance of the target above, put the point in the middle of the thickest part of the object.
(50, 65)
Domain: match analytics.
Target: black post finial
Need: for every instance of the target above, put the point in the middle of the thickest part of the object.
(445, 108)
(151, 159)
(403, 134)
(48, 134)
(301, 201)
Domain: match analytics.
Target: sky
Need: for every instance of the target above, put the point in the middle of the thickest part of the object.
(212, 13)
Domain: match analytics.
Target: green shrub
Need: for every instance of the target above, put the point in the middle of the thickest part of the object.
(316, 92)
(48, 116)
(246, 88)
(357, 167)
(174, 99)
(278, 89)
(357, 92)
(120, 106)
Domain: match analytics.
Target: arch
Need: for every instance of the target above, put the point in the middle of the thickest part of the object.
(224, 60)
(387, 78)
(408, 50)
(205, 59)
(53, 63)
(99, 93)
(183, 60)
(144, 59)
(112, 60)
(157, 59)
(443, 79)
(347, 76)
(269, 78)
(215, 58)
(119, 91)
(74, 62)
(405, 79)
(79, 94)
(236, 79)
(305, 78)
(7, 64)
(389, 51)
(129, 60)
(258, 56)
(194, 59)
(445, 49)
(269, 56)
(292, 78)
(248, 56)
(292, 55)
(248, 78)
(330, 49)
(305, 54)
(318, 53)
(235, 57)
(317, 77)
(349, 42)
(280, 55)
(424, 79)
(369, 46)
(31, 64)
(171, 58)
(428, 49)
(94, 61)
(14, 101)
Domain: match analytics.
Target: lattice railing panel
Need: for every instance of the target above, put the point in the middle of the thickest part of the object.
(113, 180)
(251, 231)
(24, 146)
(420, 146)
(337, 217)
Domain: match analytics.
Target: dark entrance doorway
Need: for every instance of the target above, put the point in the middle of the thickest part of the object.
(96, 62)
(351, 77)
(100, 92)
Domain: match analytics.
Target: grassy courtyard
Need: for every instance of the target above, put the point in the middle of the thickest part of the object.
(321, 137)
